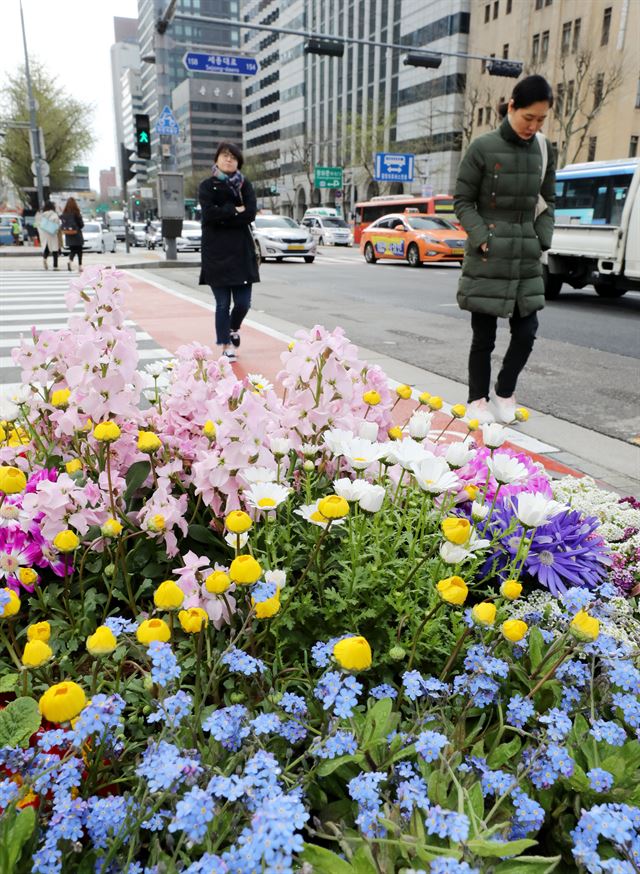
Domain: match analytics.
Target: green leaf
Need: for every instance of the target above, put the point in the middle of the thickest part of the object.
(579, 780)
(330, 765)
(474, 803)
(9, 682)
(324, 861)
(202, 534)
(18, 721)
(135, 476)
(536, 645)
(493, 849)
(363, 861)
(504, 752)
(529, 865)
(18, 829)
(379, 723)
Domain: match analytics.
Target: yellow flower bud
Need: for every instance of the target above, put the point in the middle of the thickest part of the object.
(36, 653)
(238, 521)
(371, 398)
(333, 507)
(456, 529)
(153, 629)
(585, 627)
(245, 570)
(66, 541)
(404, 391)
(13, 605)
(395, 433)
(291, 345)
(458, 411)
(102, 641)
(473, 424)
(60, 398)
(472, 491)
(156, 523)
(12, 480)
(453, 590)
(353, 653)
(217, 583)
(511, 589)
(73, 466)
(193, 619)
(424, 397)
(3, 434)
(27, 576)
(106, 432)
(522, 414)
(168, 596)
(267, 609)
(435, 402)
(148, 442)
(484, 613)
(62, 702)
(39, 631)
(111, 528)
(209, 429)
(514, 630)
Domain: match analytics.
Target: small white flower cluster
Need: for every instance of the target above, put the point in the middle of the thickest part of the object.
(584, 495)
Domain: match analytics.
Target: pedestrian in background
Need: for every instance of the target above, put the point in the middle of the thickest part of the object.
(48, 224)
(504, 199)
(72, 225)
(16, 232)
(229, 263)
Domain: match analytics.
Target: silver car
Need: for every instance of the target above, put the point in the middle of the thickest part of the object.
(329, 229)
(280, 237)
(190, 239)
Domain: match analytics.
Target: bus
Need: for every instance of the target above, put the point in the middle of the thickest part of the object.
(369, 210)
(593, 193)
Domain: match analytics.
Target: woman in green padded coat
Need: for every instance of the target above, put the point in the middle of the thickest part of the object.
(497, 200)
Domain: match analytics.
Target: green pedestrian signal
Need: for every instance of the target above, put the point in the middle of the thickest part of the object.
(143, 137)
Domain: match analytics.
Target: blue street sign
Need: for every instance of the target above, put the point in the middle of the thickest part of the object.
(166, 125)
(391, 167)
(205, 63)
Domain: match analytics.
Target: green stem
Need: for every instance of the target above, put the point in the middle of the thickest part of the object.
(454, 654)
(416, 637)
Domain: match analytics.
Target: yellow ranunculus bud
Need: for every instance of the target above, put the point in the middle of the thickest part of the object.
(193, 619)
(511, 589)
(60, 398)
(17, 437)
(157, 523)
(371, 398)
(111, 528)
(62, 702)
(453, 590)
(3, 434)
(522, 414)
(27, 576)
(148, 442)
(106, 432)
(267, 609)
(245, 570)
(424, 397)
(238, 521)
(585, 627)
(66, 541)
(88, 425)
(395, 433)
(102, 641)
(209, 429)
(472, 491)
(153, 629)
(473, 424)
(168, 596)
(291, 345)
(12, 480)
(435, 402)
(404, 391)
(36, 653)
(456, 529)
(353, 654)
(39, 631)
(484, 613)
(12, 607)
(73, 466)
(514, 629)
(458, 411)
(217, 582)
(333, 507)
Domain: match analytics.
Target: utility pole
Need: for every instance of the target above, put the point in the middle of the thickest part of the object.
(33, 121)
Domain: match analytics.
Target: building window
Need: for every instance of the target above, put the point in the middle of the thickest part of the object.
(606, 26)
(570, 90)
(487, 115)
(538, 4)
(576, 34)
(535, 47)
(559, 101)
(598, 89)
(509, 5)
(505, 50)
(633, 147)
(480, 113)
(544, 46)
(496, 7)
(591, 153)
(566, 37)
(487, 13)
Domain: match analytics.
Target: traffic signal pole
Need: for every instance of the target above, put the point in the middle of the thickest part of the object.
(33, 121)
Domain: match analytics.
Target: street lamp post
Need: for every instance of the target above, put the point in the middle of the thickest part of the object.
(33, 121)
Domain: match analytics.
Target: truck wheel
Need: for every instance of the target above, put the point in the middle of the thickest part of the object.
(413, 256)
(610, 291)
(369, 254)
(552, 283)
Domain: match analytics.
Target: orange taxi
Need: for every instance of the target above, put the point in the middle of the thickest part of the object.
(416, 238)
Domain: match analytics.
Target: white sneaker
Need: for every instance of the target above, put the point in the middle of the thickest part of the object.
(230, 355)
(481, 411)
(46, 266)
(505, 408)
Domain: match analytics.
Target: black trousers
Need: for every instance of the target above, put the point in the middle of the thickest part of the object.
(523, 334)
(73, 251)
(55, 254)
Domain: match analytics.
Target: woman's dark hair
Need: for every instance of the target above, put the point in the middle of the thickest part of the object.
(71, 207)
(236, 151)
(531, 89)
(48, 205)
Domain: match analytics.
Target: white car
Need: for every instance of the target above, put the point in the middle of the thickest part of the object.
(279, 237)
(329, 229)
(191, 237)
(137, 233)
(97, 239)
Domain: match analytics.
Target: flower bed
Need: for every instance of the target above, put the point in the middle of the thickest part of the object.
(250, 631)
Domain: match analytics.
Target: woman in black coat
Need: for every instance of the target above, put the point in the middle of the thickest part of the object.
(72, 224)
(229, 263)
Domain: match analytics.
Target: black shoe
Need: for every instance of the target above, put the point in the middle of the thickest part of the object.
(234, 336)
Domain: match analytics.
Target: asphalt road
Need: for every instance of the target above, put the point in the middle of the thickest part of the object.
(585, 366)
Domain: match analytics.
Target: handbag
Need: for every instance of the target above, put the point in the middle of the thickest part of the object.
(541, 203)
(49, 226)
(67, 228)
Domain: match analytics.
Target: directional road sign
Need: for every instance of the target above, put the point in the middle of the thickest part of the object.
(166, 125)
(202, 62)
(391, 167)
(328, 177)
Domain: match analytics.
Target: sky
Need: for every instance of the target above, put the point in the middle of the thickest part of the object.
(72, 38)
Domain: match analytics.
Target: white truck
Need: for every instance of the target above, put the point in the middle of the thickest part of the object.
(597, 232)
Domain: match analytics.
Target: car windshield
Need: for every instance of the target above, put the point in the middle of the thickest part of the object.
(92, 228)
(430, 224)
(190, 226)
(334, 223)
(138, 226)
(275, 221)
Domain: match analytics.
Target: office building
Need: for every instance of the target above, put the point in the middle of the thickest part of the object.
(125, 55)
(107, 181)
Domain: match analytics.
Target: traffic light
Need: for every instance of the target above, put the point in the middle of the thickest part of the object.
(324, 47)
(143, 137)
(126, 165)
(499, 67)
(422, 59)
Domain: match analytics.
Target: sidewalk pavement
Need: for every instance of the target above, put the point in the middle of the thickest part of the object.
(173, 314)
